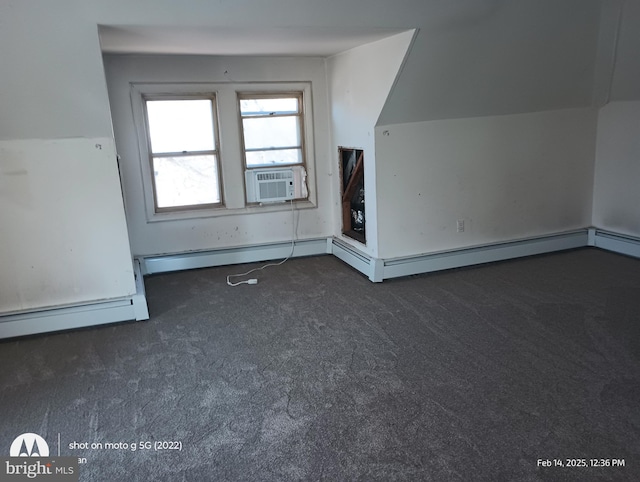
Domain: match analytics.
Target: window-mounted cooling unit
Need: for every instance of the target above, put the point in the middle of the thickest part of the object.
(270, 185)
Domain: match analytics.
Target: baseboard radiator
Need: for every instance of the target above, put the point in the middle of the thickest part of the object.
(378, 270)
(228, 256)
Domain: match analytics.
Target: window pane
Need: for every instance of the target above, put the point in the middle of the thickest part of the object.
(274, 158)
(271, 132)
(268, 106)
(180, 125)
(186, 181)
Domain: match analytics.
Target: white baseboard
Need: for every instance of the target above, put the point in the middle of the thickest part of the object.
(458, 258)
(139, 300)
(617, 243)
(78, 316)
(378, 270)
(350, 255)
(229, 256)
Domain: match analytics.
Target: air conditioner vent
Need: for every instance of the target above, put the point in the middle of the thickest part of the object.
(266, 176)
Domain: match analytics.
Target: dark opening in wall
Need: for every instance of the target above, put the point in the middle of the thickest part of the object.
(352, 192)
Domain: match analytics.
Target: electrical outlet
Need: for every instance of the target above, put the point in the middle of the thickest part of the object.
(461, 225)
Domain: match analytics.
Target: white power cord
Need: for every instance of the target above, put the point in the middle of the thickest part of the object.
(254, 281)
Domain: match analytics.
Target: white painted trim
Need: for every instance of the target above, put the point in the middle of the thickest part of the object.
(350, 255)
(617, 243)
(380, 269)
(376, 272)
(65, 318)
(79, 316)
(229, 256)
(139, 300)
(484, 254)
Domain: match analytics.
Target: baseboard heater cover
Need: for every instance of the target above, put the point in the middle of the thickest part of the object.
(381, 269)
(615, 242)
(489, 253)
(229, 256)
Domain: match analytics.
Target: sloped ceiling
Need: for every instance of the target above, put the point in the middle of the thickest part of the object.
(510, 57)
(470, 57)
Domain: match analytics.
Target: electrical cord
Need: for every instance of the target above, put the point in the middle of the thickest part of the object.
(254, 281)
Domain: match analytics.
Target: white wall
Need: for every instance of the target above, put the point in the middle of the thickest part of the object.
(62, 229)
(359, 83)
(507, 177)
(234, 226)
(616, 204)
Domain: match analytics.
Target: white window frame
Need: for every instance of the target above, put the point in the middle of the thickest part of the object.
(229, 145)
(211, 96)
(299, 95)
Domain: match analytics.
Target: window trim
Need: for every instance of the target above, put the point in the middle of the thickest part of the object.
(211, 96)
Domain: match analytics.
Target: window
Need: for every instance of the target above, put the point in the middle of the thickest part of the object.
(272, 129)
(200, 143)
(181, 134)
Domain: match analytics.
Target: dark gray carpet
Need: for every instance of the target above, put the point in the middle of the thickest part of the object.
(317, 374)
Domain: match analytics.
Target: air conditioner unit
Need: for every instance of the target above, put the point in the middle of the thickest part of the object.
(269, 185)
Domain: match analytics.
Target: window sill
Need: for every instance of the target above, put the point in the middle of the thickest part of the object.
(224, 211)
